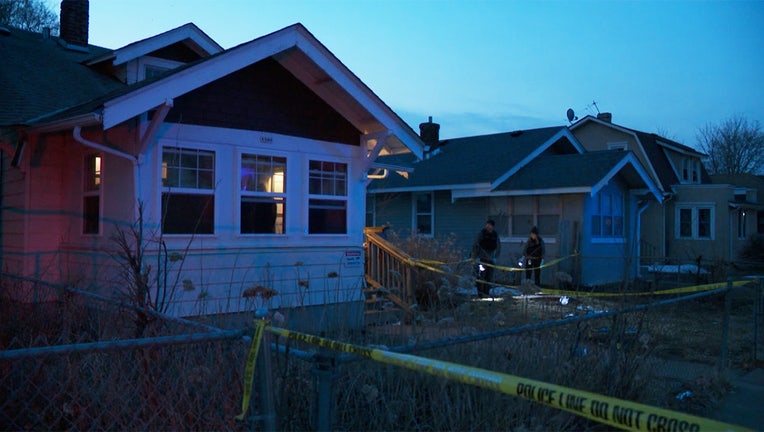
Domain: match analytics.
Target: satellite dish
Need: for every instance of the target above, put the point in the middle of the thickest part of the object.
(571, 115)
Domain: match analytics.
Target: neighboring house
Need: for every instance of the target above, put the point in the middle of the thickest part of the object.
(747, 203)
(585, 202)
(698, 219)
(250, 164)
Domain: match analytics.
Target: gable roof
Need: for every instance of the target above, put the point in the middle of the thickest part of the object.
(294, 47)
(188, 34)
(578, 173)
(41, 75)
(477, 160)
(654, 147)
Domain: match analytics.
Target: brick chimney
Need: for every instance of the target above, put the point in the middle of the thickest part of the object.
(75, 21)
(430, 134)
(606, 116)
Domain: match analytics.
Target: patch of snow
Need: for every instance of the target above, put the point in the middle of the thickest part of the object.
(674, 269)
(502, 291)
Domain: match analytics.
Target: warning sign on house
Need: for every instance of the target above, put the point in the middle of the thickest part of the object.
(353, 259)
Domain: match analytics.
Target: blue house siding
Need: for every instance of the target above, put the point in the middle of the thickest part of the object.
(608, 259)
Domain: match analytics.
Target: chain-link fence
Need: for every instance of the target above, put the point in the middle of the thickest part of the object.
(84, 362)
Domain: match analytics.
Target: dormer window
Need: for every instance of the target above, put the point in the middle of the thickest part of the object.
(151, 71)
(690, 170)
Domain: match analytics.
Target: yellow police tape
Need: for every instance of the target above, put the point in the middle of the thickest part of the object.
(603, 409)
(249, 369)
(430, 264)
(680, 290)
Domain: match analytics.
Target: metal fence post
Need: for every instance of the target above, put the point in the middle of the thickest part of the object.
(267, 411)
(725, 328)
(323, 369)
(758, 316)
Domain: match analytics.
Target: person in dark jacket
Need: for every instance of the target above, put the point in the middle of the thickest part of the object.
(486, 249)
(534, 254)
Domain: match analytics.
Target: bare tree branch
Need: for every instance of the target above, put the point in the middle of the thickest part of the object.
(31, 15)
(734, 146)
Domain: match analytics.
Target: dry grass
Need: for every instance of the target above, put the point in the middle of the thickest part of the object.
(199, 386)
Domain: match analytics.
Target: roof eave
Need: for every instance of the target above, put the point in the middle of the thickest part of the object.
(129, 105)
(83, 120)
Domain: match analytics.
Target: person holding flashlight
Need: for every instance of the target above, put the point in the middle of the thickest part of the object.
(485, 250)
(534, 255)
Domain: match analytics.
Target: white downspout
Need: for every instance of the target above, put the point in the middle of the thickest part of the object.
(664, 234)
(639, 237)
(77, 134)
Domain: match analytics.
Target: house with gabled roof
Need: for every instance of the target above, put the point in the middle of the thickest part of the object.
(246, 167)
(585, 204)
(700, 219)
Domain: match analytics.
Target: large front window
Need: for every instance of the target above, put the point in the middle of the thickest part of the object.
(327, 197)
(607, 216)
(263, 194)
(188, 191)
(695, 222)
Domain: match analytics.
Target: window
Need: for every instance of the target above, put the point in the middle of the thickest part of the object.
(695, 171)
(741, 224)
(423, 214)
(607, 215)
(188, 198)
(91, 197)
(263, 194)
(690, 170)
(621, 146)
(522, 224)
(695, 222)
(327, 197)
(152, 71)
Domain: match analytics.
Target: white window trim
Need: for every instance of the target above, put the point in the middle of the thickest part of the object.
(414, 213)
(308, 196)
(695, 207)
(91, 193)
(611, 239)
(191, 191)
(161, 63)
(238, 156)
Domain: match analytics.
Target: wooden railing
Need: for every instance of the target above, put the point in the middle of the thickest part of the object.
(389, 267)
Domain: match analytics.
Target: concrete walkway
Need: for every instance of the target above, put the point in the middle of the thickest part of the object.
(744, 405)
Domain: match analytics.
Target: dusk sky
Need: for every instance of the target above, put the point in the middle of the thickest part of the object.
(480, 67)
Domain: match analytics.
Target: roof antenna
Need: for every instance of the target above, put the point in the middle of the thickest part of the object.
(595, 106)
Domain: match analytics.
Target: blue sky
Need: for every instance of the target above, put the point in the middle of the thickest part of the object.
(482, 67)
